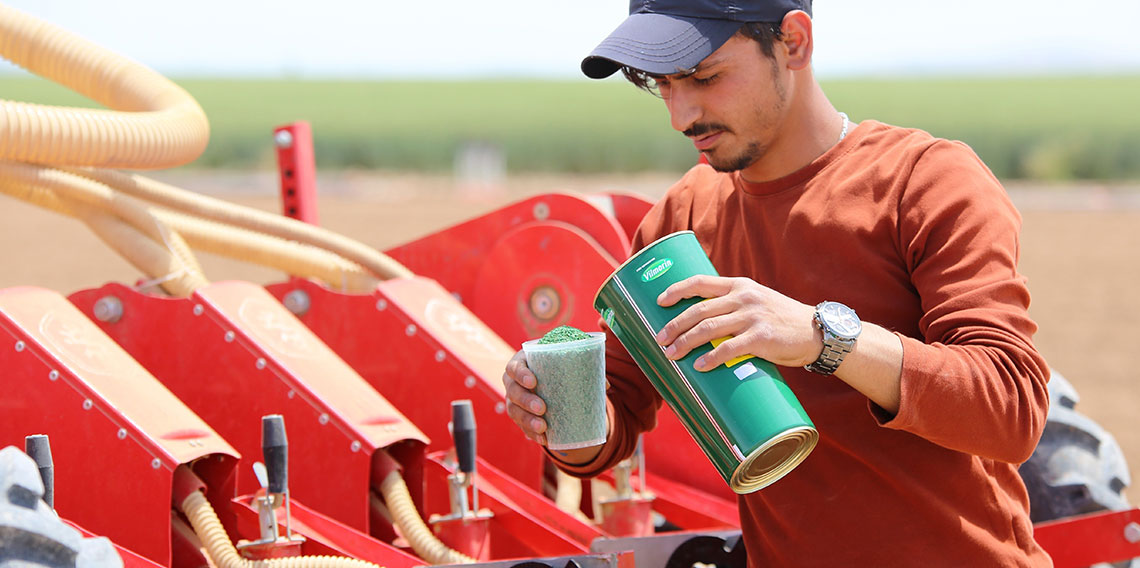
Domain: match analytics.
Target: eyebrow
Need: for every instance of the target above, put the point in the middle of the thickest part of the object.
(684, 73)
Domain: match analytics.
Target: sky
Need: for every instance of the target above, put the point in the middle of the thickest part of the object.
(547, 39)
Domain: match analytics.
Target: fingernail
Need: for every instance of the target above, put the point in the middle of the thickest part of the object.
(535, 406)
(660, 336)
(699, 364)
(670, 350)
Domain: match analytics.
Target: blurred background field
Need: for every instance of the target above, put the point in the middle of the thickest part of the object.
(1047, 128)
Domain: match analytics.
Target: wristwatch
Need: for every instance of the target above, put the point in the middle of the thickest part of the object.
(840, 327)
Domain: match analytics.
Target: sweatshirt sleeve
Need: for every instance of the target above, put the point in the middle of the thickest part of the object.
(974, 382)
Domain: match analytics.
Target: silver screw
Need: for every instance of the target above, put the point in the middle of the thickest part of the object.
(355, 446)
(1132, 532)
(198, 309)
(541, 211)
(283, 138)
(469, 382)
(381, 305)
(297, 301)
(108, 309)
(122, 433)
(20, 346)
(324, 419)
(156, 463)
(500, 408)
(53, 376)
(87, 404)
(229, 337)
(410, 330)
(458, 297)
(440, 355)
(260, 364)
(291, 394)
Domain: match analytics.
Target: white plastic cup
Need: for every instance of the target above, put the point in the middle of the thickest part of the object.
(572, 381)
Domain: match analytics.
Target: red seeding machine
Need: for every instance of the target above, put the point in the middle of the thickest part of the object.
(352, 415)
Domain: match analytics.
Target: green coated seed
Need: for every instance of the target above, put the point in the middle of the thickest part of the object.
(562, 334)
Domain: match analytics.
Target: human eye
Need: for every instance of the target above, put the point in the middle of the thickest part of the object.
(705, 81)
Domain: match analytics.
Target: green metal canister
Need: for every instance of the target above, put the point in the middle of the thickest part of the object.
(742, 414)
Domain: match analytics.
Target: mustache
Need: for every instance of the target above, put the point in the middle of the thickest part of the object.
(702, 128)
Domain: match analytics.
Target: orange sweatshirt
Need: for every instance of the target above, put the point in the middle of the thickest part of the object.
(917, 236)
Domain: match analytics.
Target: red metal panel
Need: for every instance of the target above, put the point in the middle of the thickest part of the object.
(421, 349)
(455, 255)
(233, 354)
(296, 165)
(629, 209)
(116, 433)
(1111, 536)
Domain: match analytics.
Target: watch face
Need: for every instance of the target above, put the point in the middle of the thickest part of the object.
(840, 320)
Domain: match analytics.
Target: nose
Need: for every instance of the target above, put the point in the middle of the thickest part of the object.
(684, 107)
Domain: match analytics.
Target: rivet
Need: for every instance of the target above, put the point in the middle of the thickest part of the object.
(53, 376)
(87, 404)
(355, 446)
(122, 433)
(229, 337)
(198, 309)
(283, 139)
(297, 301)
(324, 419)
(500, 408)
(260, 364)
(440, 355)
(1132, 532)
(469, 382)
(541, 211)
(156, 463)
(108, 309)
(410, 330)
(20, 346)
(291, 394)
(381, 305)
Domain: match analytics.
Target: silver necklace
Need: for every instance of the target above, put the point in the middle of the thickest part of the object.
(843, 133)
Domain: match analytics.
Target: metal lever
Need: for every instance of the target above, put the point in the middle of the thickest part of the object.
(463, 434)
(275, 451)
(39, 449)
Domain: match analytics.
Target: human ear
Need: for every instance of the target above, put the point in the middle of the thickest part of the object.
(797, 39)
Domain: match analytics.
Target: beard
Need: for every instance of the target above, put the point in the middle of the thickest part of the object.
(753, 150)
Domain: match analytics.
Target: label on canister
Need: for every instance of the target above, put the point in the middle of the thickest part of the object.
(742, 414)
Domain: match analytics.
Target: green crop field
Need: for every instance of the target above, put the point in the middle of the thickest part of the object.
(1037, 128)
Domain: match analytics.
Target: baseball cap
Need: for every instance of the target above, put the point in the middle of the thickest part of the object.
(670, 36)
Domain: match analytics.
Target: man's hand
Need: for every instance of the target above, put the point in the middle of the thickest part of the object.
(523, 406)
(761, 321)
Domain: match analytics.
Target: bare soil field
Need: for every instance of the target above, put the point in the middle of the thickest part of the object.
(1080, 251)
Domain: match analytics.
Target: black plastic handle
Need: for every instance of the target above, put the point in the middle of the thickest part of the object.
(39, 449)
(463, 431)
(275, 451)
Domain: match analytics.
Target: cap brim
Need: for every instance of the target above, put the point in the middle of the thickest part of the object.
(658, 44)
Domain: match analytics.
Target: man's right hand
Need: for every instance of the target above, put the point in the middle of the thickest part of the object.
(523, 406)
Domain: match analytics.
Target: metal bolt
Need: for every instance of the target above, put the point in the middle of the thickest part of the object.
(283, 138)
(381, 305)
(122, 433)
(198, 309)
(20, 346)
(53, 376)
(108, 309)
(1132, 532)
(440, 356)
(324, 419)
(87, 404)
(297, 301)
(355, 446)
(500, 408)
(260, 364)
(541, 211)
(156, 463)
(458, 297)
(469, 382)
(291, 394)
(410, 330)
(229, 337)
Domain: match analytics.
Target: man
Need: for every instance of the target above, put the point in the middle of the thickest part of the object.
(924, 413)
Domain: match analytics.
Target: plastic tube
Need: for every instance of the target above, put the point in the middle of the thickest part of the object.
(154, 124)
(223, 554)
(407, 519)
